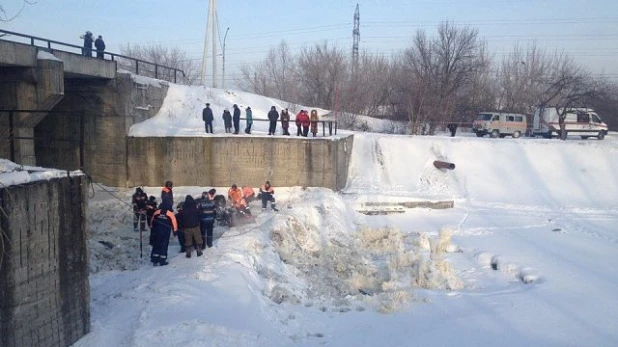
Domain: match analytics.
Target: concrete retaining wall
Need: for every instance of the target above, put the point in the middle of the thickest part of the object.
(222, 161)
(44, 289)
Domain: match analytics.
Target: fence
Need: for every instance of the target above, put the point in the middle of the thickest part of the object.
(331, 125)
(52, 45)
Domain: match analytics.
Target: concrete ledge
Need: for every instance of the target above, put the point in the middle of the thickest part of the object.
(44, 288)
(244, 160)
(17, 54)
(80, 66)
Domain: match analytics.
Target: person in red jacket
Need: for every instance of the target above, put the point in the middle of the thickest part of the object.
(299, 131)
(304, 122)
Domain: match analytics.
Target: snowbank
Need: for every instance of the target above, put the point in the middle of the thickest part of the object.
(14, 174)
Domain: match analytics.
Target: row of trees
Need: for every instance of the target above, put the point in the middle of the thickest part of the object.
(449, 77)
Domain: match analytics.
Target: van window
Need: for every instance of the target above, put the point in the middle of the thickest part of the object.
(596, 119)
(496, 118)
(510, 118)
(519, 119)
(583, 118)
(483, 116)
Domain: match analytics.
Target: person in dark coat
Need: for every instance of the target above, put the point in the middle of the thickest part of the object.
(227, 121)
(189, 221)
(163, 222)
(273, 115)
(208, 208)
(285, 121)
(452, 127)
(180, 233)
(88, 40)
(267, 193)
(208, 117)
(167, 195)
(139, 201)
(236, 118)
(151, 207)
(99, 44)
(249, 117)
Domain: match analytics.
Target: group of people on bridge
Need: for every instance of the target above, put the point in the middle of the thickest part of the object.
(194, 219)
(303, 121)
(99, 44)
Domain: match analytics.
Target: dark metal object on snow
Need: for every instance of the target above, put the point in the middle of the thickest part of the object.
(443, 165)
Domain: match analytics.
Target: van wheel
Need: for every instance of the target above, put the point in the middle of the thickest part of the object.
(494, 133)
(516, 134)
(601, 135)
(479, 134)
(584, 137)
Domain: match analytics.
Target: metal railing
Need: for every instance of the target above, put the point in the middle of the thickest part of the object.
(331, 125)
(51, 45)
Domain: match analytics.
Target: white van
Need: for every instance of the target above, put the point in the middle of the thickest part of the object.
(581, 121)
(498, 124)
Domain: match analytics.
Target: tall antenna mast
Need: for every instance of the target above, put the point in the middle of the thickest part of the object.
(211, 33)
(356, 41)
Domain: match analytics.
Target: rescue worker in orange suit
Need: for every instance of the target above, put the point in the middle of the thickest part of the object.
(234, 195)
(267, 193)
(248, 194)
(163, 222)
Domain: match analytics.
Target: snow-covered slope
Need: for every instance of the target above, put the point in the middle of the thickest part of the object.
(526, 256)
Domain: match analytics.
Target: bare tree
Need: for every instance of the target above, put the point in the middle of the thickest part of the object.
(442, 68)
(6, 17)
(157, 54)
(566, 86)
(320, 68)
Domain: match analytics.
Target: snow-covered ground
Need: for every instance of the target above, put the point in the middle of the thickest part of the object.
(526, 257)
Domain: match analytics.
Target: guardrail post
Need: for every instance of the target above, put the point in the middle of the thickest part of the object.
(137, 67)
(335, 127)
(11, 137)
(156, 71)
(175, 71)
(330, 128)
(323, 129)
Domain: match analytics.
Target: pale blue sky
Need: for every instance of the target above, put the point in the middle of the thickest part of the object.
(587, 30)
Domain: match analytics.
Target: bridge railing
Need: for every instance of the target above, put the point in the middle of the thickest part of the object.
(140, 67)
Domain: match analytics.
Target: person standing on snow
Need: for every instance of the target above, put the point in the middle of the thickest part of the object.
(99, 44)
(249, 116)
(267, 193)
(299, 132)
(285, 121)
(139, 200)
(314, 122)
(273, 115)
(208, 210)
(189, 221)
(227, 121)
(167, 195)
(303, 117)
(236, 119)
(163, 222)
(207, 117)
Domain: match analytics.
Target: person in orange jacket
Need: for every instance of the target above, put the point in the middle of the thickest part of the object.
(248, 194)
(267, 193)
(234, 195)
(163, 222)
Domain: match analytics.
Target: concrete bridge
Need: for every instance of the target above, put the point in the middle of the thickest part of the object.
(70, 111)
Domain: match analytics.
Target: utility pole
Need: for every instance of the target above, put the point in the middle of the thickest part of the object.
(223, 77)
(356, 40)
(211, 33)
